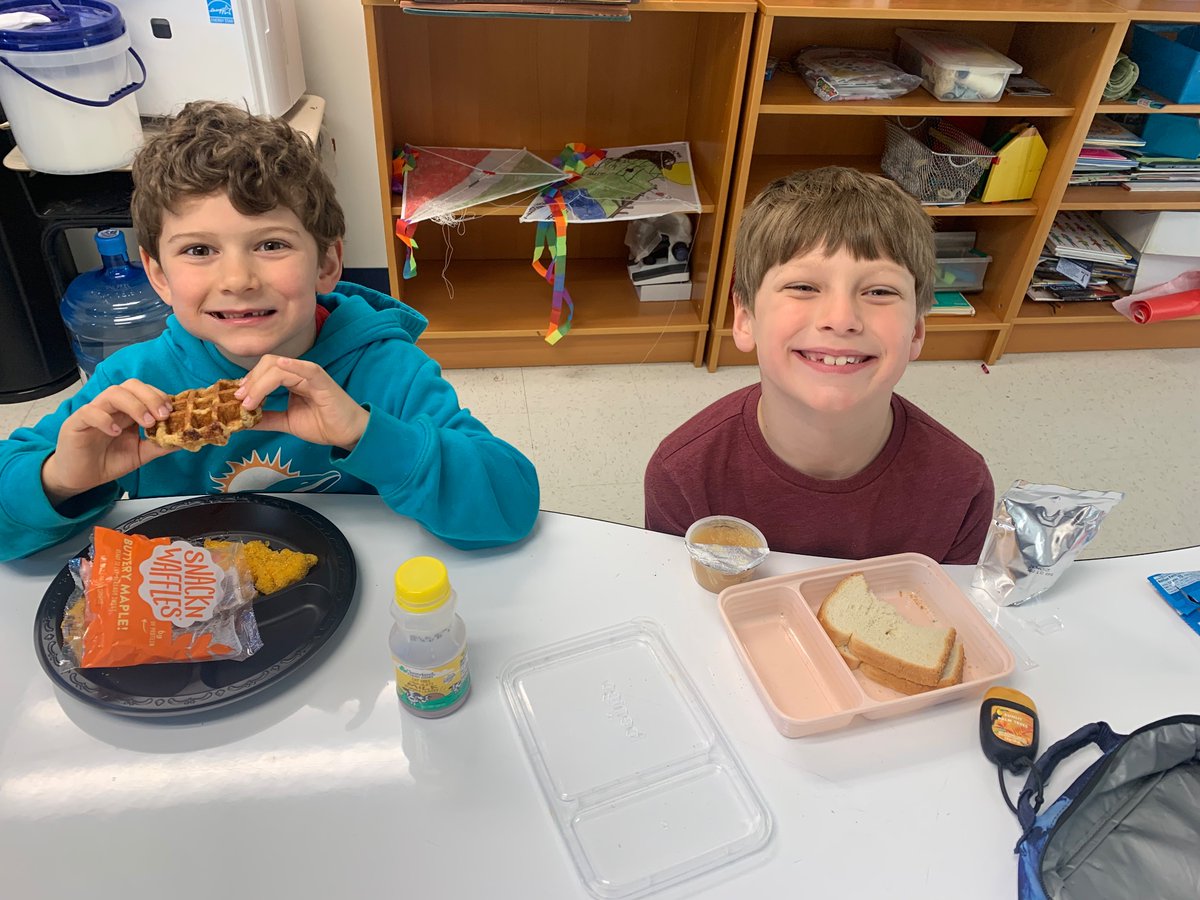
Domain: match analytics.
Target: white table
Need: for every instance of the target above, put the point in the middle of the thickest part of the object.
(328, 789)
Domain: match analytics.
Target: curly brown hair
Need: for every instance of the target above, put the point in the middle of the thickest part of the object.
(833, 208)
(259, 162)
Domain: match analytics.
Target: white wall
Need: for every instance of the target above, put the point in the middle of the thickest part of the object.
(333, 43)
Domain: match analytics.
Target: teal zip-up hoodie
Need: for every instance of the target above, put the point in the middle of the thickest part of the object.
(424, 455)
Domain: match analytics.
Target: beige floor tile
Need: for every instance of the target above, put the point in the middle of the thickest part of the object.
(598, 446)
(687, 388)
(549, 389)
(611, 502)
(489, 392)
(12, 415)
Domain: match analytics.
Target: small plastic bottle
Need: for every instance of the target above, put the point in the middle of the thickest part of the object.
(110, 307)
(428, 640)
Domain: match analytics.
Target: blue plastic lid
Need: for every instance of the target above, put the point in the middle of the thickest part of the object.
(110, 242)
(85, 24)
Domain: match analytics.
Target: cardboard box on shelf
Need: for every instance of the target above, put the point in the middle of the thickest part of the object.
(1168, 242)
(676, 290)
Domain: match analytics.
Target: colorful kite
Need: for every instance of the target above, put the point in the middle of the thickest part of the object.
(438, 182)
(604, 186)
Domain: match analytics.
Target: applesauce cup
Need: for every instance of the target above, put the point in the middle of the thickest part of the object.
(724, 551)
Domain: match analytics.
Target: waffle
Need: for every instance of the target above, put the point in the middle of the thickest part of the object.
(203, 416)
(272, 570)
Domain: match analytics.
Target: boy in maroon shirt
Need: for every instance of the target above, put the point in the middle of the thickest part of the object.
(833, 281)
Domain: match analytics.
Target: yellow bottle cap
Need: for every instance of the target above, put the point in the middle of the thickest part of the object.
(422, 584)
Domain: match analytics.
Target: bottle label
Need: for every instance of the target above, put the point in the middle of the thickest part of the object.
(429, 690)
(1012, 726)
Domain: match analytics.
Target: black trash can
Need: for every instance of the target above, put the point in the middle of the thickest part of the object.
(35, 355)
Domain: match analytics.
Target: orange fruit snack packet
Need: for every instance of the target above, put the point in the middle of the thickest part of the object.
(150, 600)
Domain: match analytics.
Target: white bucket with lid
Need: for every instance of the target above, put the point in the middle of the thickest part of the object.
(67, 89)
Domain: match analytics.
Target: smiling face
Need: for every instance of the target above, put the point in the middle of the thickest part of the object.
(833, 333)
(246, 283)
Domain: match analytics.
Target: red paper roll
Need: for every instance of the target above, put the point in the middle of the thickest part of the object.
(1170, 306)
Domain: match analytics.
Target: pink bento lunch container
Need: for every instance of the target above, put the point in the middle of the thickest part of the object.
(801, 678)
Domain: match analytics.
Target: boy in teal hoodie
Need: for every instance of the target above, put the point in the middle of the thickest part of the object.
(241, 235)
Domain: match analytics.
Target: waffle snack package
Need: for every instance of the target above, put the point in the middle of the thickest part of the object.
(1037, 531)
(142, 600)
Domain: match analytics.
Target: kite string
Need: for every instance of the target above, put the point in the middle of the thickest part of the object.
(514, 171)
(666, 325)
(447, 227)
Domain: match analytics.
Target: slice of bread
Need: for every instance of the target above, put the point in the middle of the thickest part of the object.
(874, 632)
(952, 674)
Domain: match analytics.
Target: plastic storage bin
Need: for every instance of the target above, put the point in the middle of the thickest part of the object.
(951, 244)
(954, 66)
(67, 88)
(962, 272)
(1168, 67)
(799, 674)
(642, 784)
(934, 161)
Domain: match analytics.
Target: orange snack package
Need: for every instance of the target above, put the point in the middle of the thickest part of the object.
(149, 600)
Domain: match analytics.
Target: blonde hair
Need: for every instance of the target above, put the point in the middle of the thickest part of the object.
(833, 208)
(260, 163)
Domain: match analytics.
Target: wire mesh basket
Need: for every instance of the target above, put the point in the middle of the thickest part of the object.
(934, 161)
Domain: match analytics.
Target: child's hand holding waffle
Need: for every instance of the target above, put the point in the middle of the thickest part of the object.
(99, 442)
(318, 409)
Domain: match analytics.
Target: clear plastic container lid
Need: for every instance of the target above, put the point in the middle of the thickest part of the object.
(643, 786)
(950, 50)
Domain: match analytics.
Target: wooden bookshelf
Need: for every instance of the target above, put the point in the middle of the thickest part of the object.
(675, 72)
(1097, 326)
(694, 70)
(1067, 45)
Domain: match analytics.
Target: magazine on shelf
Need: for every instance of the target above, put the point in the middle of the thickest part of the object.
(1107, 133)
(1080, 235)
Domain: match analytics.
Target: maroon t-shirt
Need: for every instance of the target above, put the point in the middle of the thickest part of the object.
(926, 491)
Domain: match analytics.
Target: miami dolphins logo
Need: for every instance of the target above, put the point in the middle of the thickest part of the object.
(261, 473)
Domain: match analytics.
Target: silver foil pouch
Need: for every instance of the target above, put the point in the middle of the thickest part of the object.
(1037, 531)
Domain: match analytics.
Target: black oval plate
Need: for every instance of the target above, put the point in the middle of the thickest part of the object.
(294, 622)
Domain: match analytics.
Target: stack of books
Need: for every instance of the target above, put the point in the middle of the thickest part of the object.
(1082, 260)
(1165, 173)
(1108, 155)
(951, 303)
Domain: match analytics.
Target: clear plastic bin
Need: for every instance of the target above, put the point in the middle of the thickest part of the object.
(955, 67)
(953, 243)
(961, 273)
(642, 784)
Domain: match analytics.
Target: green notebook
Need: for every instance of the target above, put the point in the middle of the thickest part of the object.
(950, 303)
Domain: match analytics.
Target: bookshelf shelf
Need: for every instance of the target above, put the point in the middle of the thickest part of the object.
(788, 94)
(1133, 109)
(766, 168)
(513, 207)
(1119, 198)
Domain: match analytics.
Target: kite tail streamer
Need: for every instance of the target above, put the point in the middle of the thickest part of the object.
(403, 162)
(406, 231)
(551, 239)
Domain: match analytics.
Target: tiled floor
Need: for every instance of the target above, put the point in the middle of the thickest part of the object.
(1125, 421)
